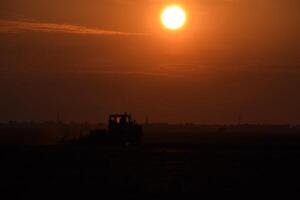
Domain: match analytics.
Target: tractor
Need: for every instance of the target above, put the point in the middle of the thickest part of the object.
(122, 130)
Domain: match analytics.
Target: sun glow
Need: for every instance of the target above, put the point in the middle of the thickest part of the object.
(173, 17)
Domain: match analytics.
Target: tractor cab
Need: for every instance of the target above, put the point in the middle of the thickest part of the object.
(119, 121)
(123, 128)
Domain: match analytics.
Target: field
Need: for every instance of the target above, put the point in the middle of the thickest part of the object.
(211, 165)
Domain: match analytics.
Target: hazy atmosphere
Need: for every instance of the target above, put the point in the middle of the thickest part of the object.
(85, 60)
(142, 99)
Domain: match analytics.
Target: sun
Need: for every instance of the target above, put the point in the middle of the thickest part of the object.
(173, 17)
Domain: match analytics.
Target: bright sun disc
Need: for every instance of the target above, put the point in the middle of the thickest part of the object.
(173, 17)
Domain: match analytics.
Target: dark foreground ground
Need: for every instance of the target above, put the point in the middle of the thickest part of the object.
(172, 169)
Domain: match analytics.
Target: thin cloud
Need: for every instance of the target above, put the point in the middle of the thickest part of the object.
(8, 71)
(127, 73)
(13, 26)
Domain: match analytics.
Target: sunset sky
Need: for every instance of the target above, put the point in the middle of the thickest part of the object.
(87, 59)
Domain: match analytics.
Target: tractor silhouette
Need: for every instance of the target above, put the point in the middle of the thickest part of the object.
(122, 130)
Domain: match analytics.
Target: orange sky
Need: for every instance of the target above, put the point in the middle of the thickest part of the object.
(88, 59)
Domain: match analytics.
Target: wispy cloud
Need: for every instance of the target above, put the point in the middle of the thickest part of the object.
(127, 73)
(14, 26)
